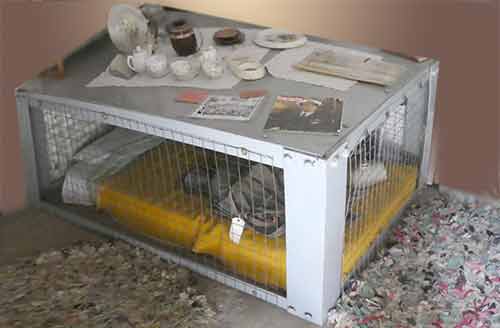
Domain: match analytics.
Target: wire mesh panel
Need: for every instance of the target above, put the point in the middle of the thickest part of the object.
(382, 175)
(65, 136)
(225, 211)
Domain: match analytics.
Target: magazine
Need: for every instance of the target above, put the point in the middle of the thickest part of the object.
(306, 115)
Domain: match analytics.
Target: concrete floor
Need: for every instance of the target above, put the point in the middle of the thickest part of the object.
(31, 232)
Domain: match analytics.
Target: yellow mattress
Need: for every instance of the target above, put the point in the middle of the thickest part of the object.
(256, 257)
(147, 198)
(152, 219)
(375, 213)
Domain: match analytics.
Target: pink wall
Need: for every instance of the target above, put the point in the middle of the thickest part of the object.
(35, 35)
(2, 162)
(462, 34)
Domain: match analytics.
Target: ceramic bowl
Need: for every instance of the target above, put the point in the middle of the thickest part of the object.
(185, 70)
(157, 66)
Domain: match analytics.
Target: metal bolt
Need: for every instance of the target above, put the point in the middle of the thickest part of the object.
(346, 152)
(335, 162)
(309, 162)
(244, 151)
(287, 156)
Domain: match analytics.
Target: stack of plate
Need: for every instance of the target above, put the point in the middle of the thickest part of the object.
(279, 39)
(228, 36)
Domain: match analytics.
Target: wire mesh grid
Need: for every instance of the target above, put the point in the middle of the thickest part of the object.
(382, 175)
(224, 211)
(64, 136)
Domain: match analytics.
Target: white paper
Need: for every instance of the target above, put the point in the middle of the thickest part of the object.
(227, 107)
(227, 81)
(281, 66)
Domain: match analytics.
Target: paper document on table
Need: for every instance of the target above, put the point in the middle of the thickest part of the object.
(353, 67)
(282, 66)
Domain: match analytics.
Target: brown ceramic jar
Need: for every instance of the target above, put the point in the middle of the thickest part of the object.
(182, 37)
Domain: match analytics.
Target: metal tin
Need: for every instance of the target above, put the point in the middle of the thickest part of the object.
(183, 38)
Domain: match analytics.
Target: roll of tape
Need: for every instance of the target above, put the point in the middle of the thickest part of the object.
(248, 70)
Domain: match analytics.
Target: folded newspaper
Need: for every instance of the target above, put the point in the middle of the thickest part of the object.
(102, 158)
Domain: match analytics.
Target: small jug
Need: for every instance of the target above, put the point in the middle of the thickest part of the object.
(137, 61)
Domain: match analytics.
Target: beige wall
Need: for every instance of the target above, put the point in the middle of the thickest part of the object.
(463, 34)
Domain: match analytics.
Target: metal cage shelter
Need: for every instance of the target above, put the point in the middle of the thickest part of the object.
(176, 188)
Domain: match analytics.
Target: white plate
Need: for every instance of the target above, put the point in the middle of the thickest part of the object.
(127, 27)
(279, 39)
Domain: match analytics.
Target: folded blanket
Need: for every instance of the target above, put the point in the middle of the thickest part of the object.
(252, 192)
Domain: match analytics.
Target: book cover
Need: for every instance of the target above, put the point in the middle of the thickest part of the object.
(305, 115)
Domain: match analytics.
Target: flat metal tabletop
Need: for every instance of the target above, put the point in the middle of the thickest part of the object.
(84, 65)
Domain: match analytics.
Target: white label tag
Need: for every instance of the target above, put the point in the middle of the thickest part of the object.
(236, 230)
